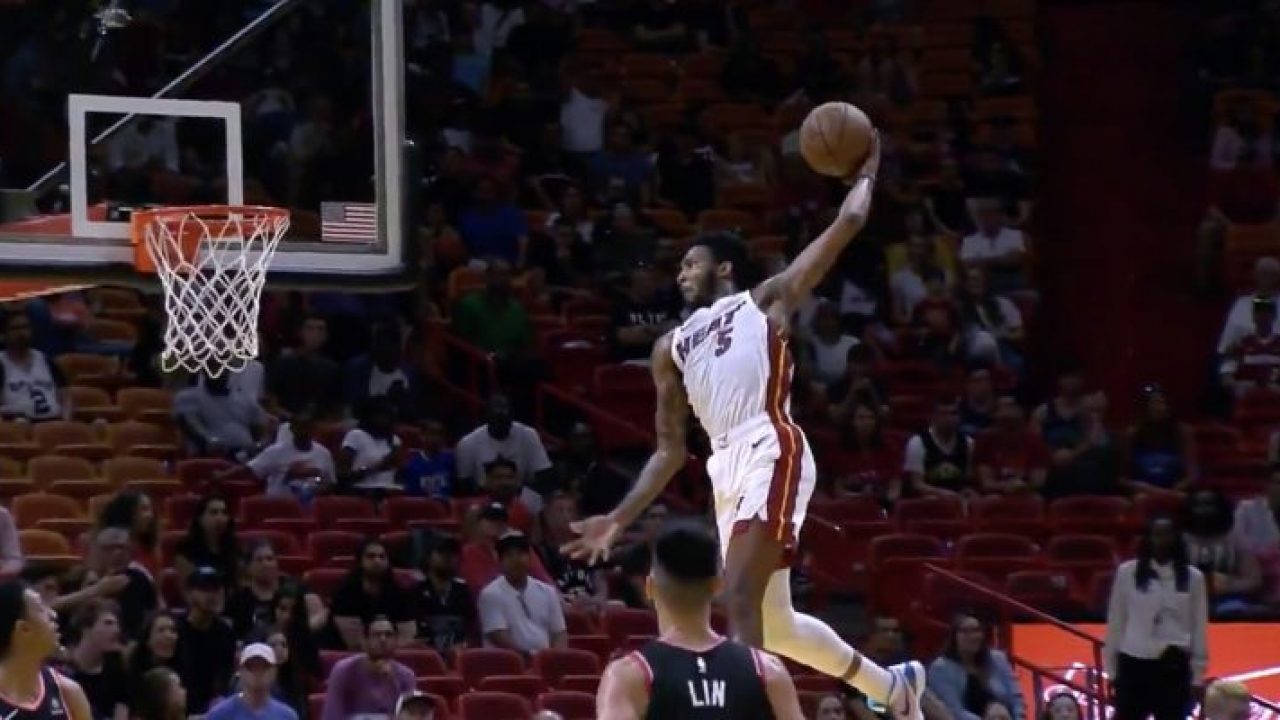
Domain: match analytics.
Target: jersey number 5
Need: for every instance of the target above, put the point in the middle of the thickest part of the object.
(724, 339)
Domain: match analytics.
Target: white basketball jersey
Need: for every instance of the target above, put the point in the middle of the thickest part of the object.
(736, 365)
(29, 390)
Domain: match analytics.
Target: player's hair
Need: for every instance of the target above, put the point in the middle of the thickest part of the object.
(13, 607)
(686, 562)
(728, 247)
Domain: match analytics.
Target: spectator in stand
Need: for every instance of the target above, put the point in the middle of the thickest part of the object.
(830, 707)
(216, 421)
(371, 452)
(572, 210)
(583, 111)
(1240, 322)
(946, 201)
(416, 705)
(936, 321)
(11, 558)
(829, 344)
(160, 696)
(368, 684)
(1062, 706)
(206, 643)
(856, 386)
(493, 320)
(94, 661)
(1156, 648)
(686, 171)
(383, 373)
(439, 245)
(500, 436)
(519, 612)
(33, 388)
(1060, 421)
(991, 324)
(908, 283)
(257, 675)
(1010, 459)
(978, 404)
(560, 264)
(642, 315)
(115, 576)
(970, 674)
(865, 463)
(661, 26)
(134, 510)
(210, 542)
(156, 648)
(997, 248)
(580, 585)
(1226, 700)
(1242, 141)
(429, 471)
(370, 591)
(305, 376)
(297, 648)
(295, 464)
(1160, 453)
(634, 558)
(938, 461)
(493, 227)
(1257, 530)
(253, 604)
(446, 612)
(480, 563)
(1092, 465)
(623, 171)
(1253, 363)
(579, 469)
(1233, 573)
(748, 74)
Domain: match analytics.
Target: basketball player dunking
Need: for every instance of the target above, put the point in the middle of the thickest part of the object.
(690, 671)
(730, 362)
(29, 689)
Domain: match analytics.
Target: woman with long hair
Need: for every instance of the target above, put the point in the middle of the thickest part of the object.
(157, 647)
(970, 675)
(1235, 577)
(991, 323)
(1160, 453)
(369, 590)
(134, 510)
(865, 463)
(161, 696)
(301, 670)
(210, 542)
(1157, 623)
(253, 603)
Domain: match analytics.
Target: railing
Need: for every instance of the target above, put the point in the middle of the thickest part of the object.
(1092, 694)
(479, 367)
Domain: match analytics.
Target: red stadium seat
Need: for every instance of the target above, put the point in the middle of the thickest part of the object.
(599, 645)
(400, 511)
(424, 662)
(282, 542)
(328, 509)
(931, 508)
(553, 664)
(493, 706)
(526, 686)
(254, 510)
(994, 545)
(619, 623)
(324, 581)
(570, 705)
(580, 683)
(848, 509)
(324, 545)
(369, 527)
(477, 663)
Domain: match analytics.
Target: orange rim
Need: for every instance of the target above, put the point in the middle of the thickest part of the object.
(188, 242)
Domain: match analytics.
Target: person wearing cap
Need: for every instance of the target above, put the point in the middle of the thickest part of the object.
(479, 565)
(415, 705)
(1254, 361)
(257, 674)
(519, 612)
(206, 643)
(446, 611)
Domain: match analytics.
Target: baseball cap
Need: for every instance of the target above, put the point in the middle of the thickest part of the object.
(204, 578)
(257, 651)
(512, 540)
(414, 697)
(496, 512)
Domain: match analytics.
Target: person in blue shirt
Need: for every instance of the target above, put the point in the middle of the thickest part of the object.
(429, 471)
(257, 676)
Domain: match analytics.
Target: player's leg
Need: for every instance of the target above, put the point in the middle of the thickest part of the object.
(753, 555)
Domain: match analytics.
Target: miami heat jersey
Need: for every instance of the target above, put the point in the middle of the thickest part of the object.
(49, 706)
(736, 365)
(29, 388)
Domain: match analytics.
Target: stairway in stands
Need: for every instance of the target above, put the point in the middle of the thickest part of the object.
(1123, 192)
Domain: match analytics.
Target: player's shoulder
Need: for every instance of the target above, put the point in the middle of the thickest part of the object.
(73, 695)
(631, 667)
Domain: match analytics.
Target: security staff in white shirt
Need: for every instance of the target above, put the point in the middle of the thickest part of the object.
(1156, 648)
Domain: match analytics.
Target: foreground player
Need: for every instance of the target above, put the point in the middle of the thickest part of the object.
(730, 362)
(28, 638)
(690, 671)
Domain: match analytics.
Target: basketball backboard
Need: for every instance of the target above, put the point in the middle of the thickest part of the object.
(298, 104)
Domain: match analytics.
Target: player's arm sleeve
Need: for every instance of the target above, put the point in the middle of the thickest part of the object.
(778, 687)
(624, 691)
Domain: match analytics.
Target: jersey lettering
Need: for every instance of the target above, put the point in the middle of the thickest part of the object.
(706, 693)
(721, 327)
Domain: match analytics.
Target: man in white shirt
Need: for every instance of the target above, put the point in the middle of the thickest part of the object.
(500, 436)
(1266, 283)
(296, 463)
(582, 118)
(217, 421)
(1000, 249)
(519, 612)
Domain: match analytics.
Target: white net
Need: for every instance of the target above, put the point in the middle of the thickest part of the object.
(213, 265)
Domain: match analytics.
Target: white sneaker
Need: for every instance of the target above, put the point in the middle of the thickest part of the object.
(908, 686)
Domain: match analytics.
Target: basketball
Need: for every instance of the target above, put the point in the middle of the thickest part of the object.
(835, 139)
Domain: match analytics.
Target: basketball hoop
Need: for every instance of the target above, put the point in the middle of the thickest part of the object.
(212, 262)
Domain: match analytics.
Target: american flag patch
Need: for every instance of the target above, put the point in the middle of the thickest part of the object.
(348, 222)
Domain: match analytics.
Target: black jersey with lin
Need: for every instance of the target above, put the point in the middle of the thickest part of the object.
(49, 706)
(723, 683)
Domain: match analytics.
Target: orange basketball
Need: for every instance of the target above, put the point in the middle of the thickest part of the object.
(835, 139)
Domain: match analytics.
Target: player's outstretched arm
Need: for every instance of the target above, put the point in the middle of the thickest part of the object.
(670, 425)
(793, 285)
(779, 687)
(623, 693)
